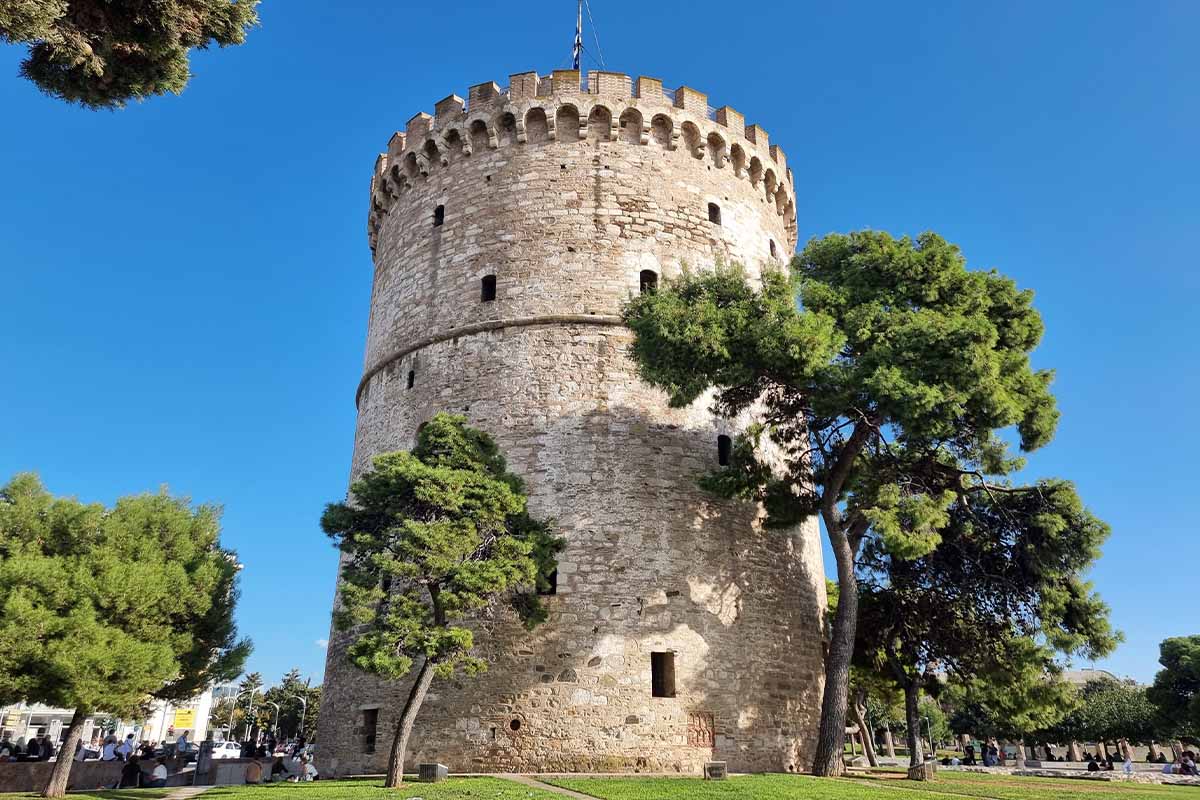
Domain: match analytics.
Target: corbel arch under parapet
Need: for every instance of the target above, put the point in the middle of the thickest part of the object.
(480, 136)
(506, 128)
(661, 129)
(399, 179)
(411, 168)
(631, 126)
(737, 157)
(432, 154)
(716, 149)
(780, 200)
(692, 139)
(537, 128)
(770, 184)
(453, 145)
(756, 171)
(566, 123)
(600, 123)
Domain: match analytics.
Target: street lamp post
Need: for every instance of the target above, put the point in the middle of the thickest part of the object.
(929, 729)
(273, 703)
(303, 711)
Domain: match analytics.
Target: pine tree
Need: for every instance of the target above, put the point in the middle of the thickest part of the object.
(882, 394)
(127, 604)
(1008, 566)
(101, 53)
(430, 538)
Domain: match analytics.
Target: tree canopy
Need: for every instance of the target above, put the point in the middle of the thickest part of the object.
(881, 396)
(430, 540)
(1176, 688)
(128, 603)
(102, 53)
(1008, 565)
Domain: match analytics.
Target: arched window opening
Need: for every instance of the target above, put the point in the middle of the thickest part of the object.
(487, 289)
(774, 254)
(724, 450)
(714, 213)
(647, 281)
(412, 378)
(439, 216)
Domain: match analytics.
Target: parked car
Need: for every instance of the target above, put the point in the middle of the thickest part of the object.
(227, 750)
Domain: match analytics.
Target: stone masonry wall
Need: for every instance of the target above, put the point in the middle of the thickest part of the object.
(567, 213)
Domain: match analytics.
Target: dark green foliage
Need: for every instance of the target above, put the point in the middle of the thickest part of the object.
(101, 609)
(1108, 710)
(1176, 689)
(103, 53)
(429, 539)
(1008, 564)
(881, 396)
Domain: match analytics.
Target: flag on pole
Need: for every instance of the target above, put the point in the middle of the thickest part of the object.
(578, 47)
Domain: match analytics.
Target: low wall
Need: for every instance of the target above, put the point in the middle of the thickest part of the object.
(236, 771)
(32, 776)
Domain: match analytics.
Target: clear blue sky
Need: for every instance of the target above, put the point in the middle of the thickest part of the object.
(184, 284)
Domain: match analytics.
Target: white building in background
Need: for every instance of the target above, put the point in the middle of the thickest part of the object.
(166, 721)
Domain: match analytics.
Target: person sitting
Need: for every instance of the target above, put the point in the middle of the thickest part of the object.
(279, 770)
(33, 750)
(47, 751)
(158, 778)
(1092, 764)
(131, 774)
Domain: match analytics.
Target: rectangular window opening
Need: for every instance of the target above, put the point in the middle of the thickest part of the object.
(487, 289)
(370, 726)
(551, 584)
(439, 216)
(724, 450)
(662, 674)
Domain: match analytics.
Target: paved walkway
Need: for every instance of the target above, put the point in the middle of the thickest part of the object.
(186, 792)
(533, 783)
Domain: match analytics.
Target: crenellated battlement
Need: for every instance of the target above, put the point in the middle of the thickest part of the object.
(561, 107)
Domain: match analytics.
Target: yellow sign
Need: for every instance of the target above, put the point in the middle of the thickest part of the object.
(185, 719)
(12, 719)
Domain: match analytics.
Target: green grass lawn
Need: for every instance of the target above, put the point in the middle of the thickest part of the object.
(743, 787)
(875, 787)
(1011, 787)
(372, 789)
(107, 794)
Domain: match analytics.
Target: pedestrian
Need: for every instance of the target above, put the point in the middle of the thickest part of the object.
(131, 774)
(109, 751)
(181, 744)
(1128, 764)
(158, 778)
(125, 749)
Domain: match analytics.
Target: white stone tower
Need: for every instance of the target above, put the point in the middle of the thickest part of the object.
(507, 232)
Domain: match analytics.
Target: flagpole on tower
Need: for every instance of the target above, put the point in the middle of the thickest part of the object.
(577, 49)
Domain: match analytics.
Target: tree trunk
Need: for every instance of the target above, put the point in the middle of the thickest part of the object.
(1073, 753)
(1019, 760)
(860, 708)
(420, 688)
(888, 743)
(57, 787)
(913, 718)
(832, 732)
(1154, 752)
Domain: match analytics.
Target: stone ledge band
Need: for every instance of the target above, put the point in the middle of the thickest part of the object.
(483, 327)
